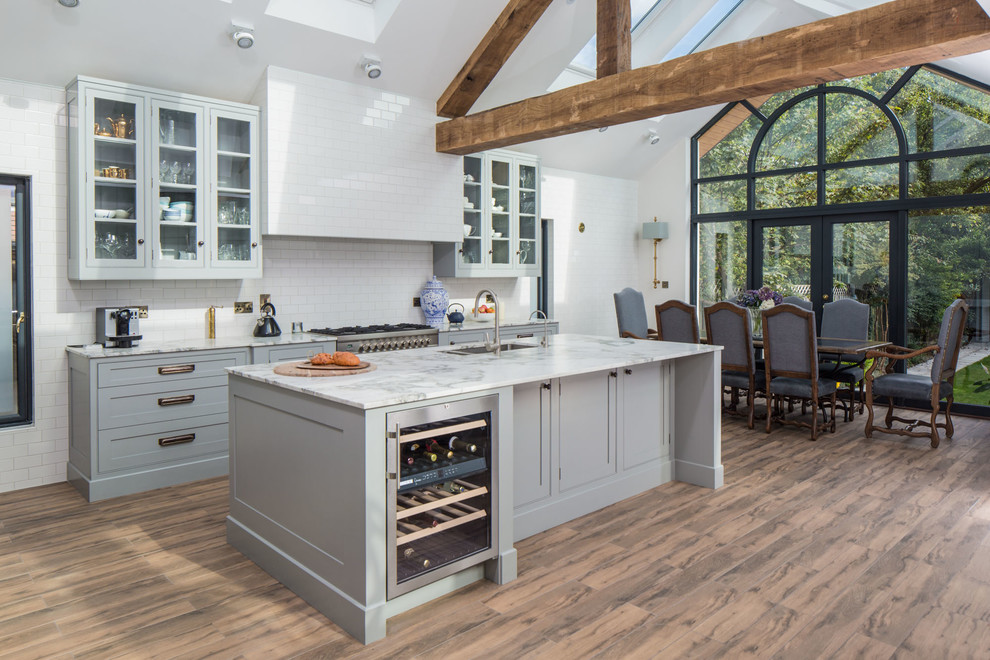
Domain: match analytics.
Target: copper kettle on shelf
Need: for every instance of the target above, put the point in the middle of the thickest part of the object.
(121, 127)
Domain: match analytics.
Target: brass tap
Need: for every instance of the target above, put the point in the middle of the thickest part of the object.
(211, 316)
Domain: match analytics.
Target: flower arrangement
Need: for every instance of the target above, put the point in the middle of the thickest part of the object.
(762, 298)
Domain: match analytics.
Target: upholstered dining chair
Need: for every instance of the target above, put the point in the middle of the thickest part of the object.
(729, 326)
(803, 303)
(790, 349)
(933, 387)
(630, 312)
(677, 321)
(845, 319)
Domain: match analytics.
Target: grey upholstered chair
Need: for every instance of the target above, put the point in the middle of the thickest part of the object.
(677, 321)
(790, 349)
(630, 312)
(803, 303)
(845, 319)
(933, 387)
(729, 325)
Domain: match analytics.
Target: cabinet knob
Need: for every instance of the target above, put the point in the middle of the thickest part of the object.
(254, 245)
(489, 252)
(613, 374)
(546, 386)
(200, 243)
(140, 241)
(518, 252)
(628, 372)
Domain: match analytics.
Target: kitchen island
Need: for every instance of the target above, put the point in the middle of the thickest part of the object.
(574, 427)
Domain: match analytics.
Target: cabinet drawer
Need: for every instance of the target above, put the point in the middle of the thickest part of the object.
(289, 353)
(150, 445)
(142, 404)
(162, 370)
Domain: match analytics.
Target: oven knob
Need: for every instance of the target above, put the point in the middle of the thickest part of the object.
(360, 348)
(405, 343)
(376, 347)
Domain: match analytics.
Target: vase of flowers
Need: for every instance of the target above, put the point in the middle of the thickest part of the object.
(757, 300)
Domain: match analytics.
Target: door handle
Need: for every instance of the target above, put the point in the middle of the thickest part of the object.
(824, 296)
(20, 320)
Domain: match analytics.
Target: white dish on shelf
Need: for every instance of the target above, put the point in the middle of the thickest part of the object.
(496, 234)
(103, 213)
(468, 230)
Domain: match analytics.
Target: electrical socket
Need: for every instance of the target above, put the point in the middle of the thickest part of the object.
(263, 298)
(243, 307)
(664, 284)
(142, 311)
(416, 301)
(489, 298)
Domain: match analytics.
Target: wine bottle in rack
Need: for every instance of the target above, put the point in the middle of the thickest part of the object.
(410, 555)
(451, 487)
(435, 447)
(456, 444)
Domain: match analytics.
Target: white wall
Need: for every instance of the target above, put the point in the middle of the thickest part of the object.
(665, 192)
(590, 266)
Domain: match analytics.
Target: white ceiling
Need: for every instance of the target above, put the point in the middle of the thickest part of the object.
(185, 45)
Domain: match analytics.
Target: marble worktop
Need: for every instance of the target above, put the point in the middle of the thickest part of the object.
(179, 345)
(429, 373)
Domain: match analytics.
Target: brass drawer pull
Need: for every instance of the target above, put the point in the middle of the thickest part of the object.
(176, 440)
(176, 400)
(523, 336)
(176, 369)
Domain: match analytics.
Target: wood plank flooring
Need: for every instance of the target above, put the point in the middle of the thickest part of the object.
(844, 547)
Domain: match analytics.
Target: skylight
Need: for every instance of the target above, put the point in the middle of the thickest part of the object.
(358, 19)
(587, 59)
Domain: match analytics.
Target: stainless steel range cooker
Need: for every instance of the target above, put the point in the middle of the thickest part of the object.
(376, 338)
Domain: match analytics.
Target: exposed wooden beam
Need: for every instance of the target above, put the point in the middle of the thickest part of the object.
(614, 40)
(508, 31)
(901, 33)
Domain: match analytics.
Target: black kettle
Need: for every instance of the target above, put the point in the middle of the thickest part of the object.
(455, 317)
(267, 327)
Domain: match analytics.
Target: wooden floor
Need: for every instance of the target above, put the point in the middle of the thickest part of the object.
(838, 548)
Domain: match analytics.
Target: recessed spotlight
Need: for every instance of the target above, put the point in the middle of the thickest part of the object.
(243, 37)
(372, 68)
(603, 129)
(69, 3)
(653, 137)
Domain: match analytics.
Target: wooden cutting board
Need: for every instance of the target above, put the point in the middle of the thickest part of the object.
(305, 369)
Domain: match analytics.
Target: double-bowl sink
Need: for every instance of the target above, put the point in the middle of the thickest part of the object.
(478, 350)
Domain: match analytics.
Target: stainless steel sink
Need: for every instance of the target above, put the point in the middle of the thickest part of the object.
(476, 350)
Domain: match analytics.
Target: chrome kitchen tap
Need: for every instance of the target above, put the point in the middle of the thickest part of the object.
(497, 348)
(546, 328)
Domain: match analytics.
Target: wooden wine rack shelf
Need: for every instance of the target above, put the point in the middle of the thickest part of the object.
(443, 430)
(411, 505)
(446, 511)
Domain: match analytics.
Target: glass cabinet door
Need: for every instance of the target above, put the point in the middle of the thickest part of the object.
(501, 201)
(526, 252)
(235, 212)
(178, 211)
(114, 213)
(472, 251)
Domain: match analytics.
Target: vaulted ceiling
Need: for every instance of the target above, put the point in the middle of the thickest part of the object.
(185, 45)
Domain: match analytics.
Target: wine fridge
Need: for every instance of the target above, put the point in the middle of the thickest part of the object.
(442, 491)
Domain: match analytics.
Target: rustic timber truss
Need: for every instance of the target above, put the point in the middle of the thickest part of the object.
(887, 36)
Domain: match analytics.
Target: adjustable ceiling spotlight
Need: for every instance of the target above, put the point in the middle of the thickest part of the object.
(653, 137)
(372, 67)
(69, 3)
(603, 129)
(243, 37)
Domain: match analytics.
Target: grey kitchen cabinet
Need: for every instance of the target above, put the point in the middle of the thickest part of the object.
(585, 415)
(291, 352)
(147, 421)
(502, 234)
(508, 332)
(531, 444)
(575, 436)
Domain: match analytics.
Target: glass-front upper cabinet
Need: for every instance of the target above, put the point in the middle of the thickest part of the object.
(112, 213)
(502, 203)
(161, 185)
(178, 218)
(474, 249)
(235, 205)
(528, 227)
(502, 233)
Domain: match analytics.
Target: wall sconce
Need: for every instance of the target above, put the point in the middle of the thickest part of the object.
(657, 231)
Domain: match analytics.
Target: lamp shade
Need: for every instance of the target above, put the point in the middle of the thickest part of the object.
(654, 230)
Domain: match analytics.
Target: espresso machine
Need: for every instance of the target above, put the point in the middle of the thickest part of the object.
(117, 327)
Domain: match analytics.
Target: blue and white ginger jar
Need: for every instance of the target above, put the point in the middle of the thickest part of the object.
(434, 299)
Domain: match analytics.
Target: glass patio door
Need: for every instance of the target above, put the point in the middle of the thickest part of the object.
(822, 259)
